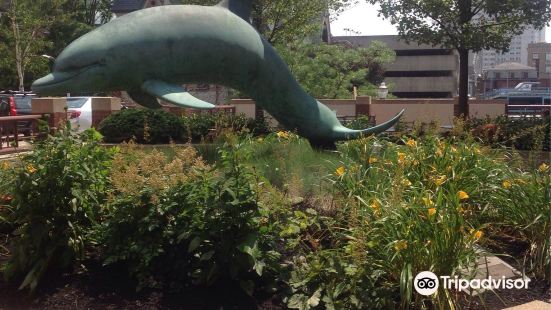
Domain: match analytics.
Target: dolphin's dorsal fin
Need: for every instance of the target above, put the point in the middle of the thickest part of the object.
(241, 8)
(174, 94)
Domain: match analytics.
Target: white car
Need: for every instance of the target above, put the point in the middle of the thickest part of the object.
(80, 113)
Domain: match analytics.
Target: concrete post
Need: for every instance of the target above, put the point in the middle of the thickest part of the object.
(103, 107)
(55, 108)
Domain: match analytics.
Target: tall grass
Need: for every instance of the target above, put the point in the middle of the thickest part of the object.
(289, 163)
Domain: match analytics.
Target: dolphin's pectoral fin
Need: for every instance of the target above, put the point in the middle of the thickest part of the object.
(174, 94)
(144, 99)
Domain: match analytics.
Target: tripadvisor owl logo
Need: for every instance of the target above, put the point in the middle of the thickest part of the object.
(426, 283)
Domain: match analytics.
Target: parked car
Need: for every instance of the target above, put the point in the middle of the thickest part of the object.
(79, 112)
(17, 104)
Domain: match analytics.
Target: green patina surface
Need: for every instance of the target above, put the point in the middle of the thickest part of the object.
(149, 53)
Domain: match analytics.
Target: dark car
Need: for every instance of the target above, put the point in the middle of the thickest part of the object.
(17, 104)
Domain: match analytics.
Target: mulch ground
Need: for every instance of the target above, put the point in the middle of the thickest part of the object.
(106, 288)
(96, 287)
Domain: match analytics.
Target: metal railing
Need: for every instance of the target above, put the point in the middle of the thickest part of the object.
(10, 134)
(511, 92)
(533, 110)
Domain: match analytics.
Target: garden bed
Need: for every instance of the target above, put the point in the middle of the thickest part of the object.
(266, 223)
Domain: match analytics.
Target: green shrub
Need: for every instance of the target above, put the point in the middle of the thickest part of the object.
(211, 228)
(204, 126)
(520, 133)
(142, 125)
(361, 122)
(7, 174)
(57, 196)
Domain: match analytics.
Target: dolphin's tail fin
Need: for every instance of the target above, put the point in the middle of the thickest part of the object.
(342, 133)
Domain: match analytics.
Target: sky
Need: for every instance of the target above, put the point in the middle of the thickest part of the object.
(363, 18)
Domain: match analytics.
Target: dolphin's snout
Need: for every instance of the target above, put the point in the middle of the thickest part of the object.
(46, 85)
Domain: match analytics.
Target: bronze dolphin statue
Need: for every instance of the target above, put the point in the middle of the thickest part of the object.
(151, 52)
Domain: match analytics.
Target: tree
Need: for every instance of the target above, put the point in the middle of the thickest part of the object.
(28, 23)
(30, 28)
(282, 21)
(89, 12)
(465, 25)
(332, 71)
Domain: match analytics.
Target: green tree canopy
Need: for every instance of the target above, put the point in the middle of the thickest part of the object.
(30, 28)
(332, 71)
(465, 25)
(282, 21)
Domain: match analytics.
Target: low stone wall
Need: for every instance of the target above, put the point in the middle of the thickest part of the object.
(416, 110)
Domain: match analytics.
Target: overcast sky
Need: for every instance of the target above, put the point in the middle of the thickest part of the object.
(363, 18)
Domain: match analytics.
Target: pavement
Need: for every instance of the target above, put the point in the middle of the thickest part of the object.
(534, 305)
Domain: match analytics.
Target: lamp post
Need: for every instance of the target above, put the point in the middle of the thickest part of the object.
(382, 91)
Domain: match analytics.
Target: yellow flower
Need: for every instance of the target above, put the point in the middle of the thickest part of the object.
(431, 212)
(454, 149)
(506, 184)
(31, 168)
(400, 245)
(5, 165)
(477, 234)
(406, 182)
(259, 140)
(372, 160)
(477, 150)
(411, 143)
(340, 171)
(415, 162)
(428, 202)
(439, 152)
(543, 167)
(283, 134)
(462, 195)
(440, 180)
(401, 158)
(376, 207)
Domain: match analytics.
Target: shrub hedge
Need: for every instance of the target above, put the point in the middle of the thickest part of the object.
(142, 125)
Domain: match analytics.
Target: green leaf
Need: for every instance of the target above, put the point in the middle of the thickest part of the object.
(194, 244)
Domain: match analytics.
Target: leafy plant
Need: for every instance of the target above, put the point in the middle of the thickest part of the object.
(142, 125)
(201, 126)
(401, 209)
(210, 228)
(522, 134)
(524, 209)
(58, 191)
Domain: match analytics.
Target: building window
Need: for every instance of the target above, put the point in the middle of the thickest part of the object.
(535, 56)
(548, 69)
(548, 58)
